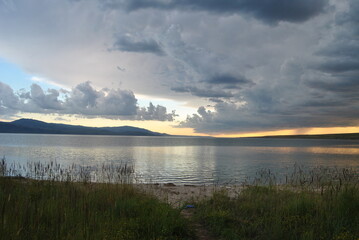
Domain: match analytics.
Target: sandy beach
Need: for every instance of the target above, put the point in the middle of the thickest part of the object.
(179, 195)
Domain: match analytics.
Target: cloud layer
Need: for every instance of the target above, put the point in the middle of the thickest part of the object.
(83, 100)
(269, 10)
(129, 43)
(244, 65)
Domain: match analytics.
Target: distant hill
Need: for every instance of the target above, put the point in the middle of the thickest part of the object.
(350, 136)
(35, 126)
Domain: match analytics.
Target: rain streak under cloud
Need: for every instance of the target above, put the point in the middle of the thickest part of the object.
(245, 65)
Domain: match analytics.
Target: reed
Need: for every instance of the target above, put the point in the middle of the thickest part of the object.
(3, 167)
(53, 171)
(52, 201)
(46, 201)
(320, 203)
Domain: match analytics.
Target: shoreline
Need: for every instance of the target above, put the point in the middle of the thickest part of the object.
(173, 194)
(178, 195)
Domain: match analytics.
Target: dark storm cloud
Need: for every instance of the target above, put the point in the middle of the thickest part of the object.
(231, 118)
(322, 94)
(341, 48)
(318, 103)
(130, 44)
(268, 10)
(343, 84)
(203, 92)
(228, 79)
(339, 58)
(344, 44)
(82, 100)
(215, 88)
(299, 98)
(340, 65)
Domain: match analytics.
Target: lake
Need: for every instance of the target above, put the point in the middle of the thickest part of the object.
(183, 160)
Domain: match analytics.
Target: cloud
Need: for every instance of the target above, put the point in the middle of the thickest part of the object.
(197, 45)
(338, 64)
(230, 118)
(7, 5)
(214, 55)
(268, 11)
(299, 98)
(155, 112)
(200, 72)
(129, 43)
(48, 101)
(227, 79)
(308, 91)
(83, 100)
(341, 84)
(202, 92)
(8, 100)
(340, 53)
(7, 97)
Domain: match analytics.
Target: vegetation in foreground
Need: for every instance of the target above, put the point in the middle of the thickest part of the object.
(57, 203)
(53, 202)
(305, 209)
(33, 209)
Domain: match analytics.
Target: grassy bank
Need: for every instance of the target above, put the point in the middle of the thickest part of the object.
(312, 206)
(52, 202)
(32, 209)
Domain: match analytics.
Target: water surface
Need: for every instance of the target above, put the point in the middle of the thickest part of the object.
(182, 160)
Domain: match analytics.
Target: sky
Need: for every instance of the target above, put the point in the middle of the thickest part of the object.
(206, 67)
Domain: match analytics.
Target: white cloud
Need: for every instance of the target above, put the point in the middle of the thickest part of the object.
(83, 100)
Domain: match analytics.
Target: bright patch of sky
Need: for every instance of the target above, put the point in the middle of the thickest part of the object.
(15, 77)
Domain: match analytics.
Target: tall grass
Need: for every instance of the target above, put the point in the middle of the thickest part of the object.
(53, 171)
(50, 201)
(306, 178)
(3, 167)
(56, 204)
(321, 203)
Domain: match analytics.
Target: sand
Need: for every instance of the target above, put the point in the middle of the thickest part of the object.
(181, 195)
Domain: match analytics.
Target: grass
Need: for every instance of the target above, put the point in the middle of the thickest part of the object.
(303, 210)
(65, 206)
(53, 202)
(33, 209)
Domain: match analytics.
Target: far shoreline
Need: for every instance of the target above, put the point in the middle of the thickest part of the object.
(339, 136)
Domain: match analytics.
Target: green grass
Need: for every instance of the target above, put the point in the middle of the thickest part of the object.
(53, 202)
(31, 209)
(268, 212)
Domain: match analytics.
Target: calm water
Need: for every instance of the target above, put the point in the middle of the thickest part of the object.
(181, 159)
